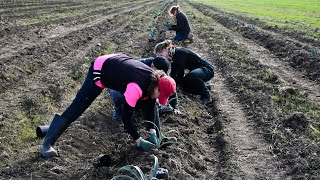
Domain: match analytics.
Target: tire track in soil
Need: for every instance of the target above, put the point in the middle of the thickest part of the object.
(78, 147)
(287, 74)
(244, 149)
(46, 49)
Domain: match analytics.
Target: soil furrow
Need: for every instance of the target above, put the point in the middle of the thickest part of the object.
(238, 19)
(290, 76)
(58, 30)
(243, 148)
(64, 69)
(23, 4)
(268, 104)
(36, 55)
(67, 63)
(17, 12)
(46, 17)
(68, 20)
(33, 33)
(291, 50)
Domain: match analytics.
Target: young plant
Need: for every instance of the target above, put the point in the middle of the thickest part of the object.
(137, 172)
(163, 135)
(153, 29)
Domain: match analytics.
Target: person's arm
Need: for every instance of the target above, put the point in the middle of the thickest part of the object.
(173, 101)
(179, 73)
(128, 122)
(180, 23)
(150, 113)
(132, 94)
(147, 61)
(173, 72)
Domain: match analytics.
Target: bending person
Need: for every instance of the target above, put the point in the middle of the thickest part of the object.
(182, 28)
(158, 63)
(140, 85)
(200, 71)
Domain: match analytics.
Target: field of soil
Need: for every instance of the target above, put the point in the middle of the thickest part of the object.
(264, 122)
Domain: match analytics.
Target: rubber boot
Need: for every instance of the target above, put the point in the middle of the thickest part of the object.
(206, 98)
(58, 125)
(42, 131)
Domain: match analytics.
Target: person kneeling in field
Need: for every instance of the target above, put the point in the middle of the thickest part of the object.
(158, 63)
(140, 85)
(200, 70)
(183, 29)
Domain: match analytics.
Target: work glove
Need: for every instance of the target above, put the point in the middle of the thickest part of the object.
(146, 145)
(165, 109)
(154, 139)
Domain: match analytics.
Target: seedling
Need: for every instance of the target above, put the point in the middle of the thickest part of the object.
(136, 172)
(163, 135)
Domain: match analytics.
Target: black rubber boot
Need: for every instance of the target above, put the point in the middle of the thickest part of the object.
(58, 125)
(206, 98)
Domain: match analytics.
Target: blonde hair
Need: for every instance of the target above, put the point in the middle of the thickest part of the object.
(173, 9)
(162, 45)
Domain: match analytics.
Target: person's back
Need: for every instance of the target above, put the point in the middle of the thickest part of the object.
(182, 21)
(125, 70)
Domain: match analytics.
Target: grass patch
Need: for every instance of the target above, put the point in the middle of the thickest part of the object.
(26, 131)
(293, 14)
(289, 103)
(109, 48)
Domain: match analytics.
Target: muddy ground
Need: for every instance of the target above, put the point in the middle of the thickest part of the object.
(263, 124)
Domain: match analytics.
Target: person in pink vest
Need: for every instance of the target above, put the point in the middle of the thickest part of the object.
(140, 85)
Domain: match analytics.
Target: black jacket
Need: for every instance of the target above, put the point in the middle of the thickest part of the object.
(183, 26)
(120, 70)
(186, 59)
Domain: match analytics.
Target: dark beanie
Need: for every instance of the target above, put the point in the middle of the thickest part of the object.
(161, 63)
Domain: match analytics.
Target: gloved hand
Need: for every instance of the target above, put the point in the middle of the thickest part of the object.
(146, 145)
(169, 109)
(165, 109)
(154, 139)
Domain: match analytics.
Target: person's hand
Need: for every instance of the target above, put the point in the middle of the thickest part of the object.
(168, 25)
(177, 111)
(146, 145)
(154, 139)
(165, 109)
